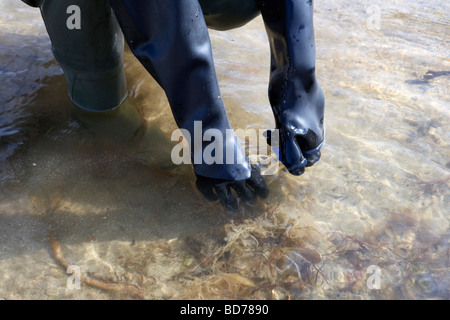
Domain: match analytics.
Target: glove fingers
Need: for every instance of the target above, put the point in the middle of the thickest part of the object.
(244, 193)
(257, 183)
(207, 190)
(292, 157)
(310, 145)
(313, 158)
(226, 198)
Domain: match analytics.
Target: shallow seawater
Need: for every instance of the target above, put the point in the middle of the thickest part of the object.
(101, 194)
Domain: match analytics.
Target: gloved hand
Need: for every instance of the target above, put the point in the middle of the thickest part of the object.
(300, 133)
(247, 190)
(295, 96)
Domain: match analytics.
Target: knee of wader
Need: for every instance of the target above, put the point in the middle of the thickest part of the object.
(229, 14)
(96, 91)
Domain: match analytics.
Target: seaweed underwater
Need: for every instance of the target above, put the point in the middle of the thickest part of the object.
(267, 257)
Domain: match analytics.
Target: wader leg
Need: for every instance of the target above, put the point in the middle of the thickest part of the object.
(92, 56)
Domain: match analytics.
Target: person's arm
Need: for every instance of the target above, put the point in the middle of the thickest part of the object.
(294, 93)
(170, 38)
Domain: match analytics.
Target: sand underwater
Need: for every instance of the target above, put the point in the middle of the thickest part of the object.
(96, 196)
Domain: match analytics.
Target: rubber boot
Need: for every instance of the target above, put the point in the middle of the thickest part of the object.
(171, 40)
(296, 98)
(92, 56)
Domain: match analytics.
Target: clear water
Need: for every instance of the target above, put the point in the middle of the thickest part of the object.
(99, 195)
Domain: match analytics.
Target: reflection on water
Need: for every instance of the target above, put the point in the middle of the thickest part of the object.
(101, 193)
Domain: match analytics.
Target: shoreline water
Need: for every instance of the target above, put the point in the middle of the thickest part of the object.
(378, 197)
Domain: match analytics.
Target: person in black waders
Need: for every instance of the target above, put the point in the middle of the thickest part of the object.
(170, 38)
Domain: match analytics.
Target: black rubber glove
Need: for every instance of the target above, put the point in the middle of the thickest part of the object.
(296, 98)
(247, 190)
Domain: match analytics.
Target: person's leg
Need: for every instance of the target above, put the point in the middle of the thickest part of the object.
(295, 96)
(92, 56)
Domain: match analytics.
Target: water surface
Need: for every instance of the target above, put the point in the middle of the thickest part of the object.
(76, 190)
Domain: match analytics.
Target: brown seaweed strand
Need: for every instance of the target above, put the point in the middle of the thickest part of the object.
(120, 287)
